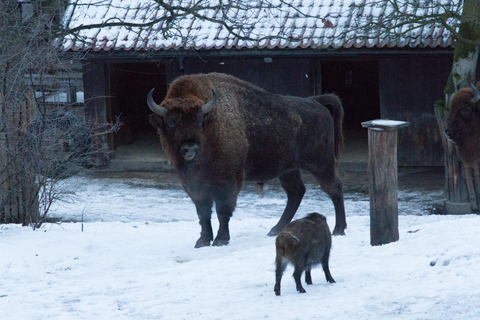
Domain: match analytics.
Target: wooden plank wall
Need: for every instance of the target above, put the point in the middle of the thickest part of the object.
(288, 76)
(408, 89)
(97, 107)
(18, 189)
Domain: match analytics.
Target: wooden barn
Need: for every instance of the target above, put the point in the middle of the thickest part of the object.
(375, 76)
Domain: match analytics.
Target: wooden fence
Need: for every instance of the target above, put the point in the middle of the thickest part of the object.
(18, 190)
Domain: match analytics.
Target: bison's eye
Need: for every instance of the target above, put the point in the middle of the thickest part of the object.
(170, 122)
(465, 112)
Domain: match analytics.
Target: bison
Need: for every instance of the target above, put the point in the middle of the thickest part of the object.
(304, 243)
(463, 124)
(218, 131)
(463, 129)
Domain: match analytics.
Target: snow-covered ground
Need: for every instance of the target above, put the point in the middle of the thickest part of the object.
(135, 259)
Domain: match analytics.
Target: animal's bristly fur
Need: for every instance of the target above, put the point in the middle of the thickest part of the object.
(249, 134)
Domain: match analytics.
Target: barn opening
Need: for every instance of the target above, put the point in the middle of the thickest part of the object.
(357, 85)
(356, 82)
(129, 86)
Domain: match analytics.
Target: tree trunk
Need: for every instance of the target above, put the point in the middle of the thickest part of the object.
(459, 188)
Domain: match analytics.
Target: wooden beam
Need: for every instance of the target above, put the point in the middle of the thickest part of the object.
(382, 176)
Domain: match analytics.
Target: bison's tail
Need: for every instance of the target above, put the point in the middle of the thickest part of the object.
(334, 105)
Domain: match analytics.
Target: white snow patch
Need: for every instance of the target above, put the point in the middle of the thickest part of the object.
(135, 260)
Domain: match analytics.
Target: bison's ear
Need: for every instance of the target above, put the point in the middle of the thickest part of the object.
(156, 122)
(206, 119)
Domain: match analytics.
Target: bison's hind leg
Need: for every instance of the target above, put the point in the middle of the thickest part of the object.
(331, 184)
(293, 185)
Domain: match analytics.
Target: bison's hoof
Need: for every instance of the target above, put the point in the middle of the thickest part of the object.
(202, 243)
(301, 290)
(220, 242)
(277, 293)
(339, 231)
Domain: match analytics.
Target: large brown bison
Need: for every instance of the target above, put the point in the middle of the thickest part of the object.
(218, 130)
(463, 124)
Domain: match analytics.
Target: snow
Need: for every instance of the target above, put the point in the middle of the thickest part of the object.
(287, 20)
(135, 259)
(388, 123)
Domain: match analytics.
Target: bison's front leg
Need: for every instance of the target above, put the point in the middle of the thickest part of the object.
(204, 212)
(225, 204)
(224, 212)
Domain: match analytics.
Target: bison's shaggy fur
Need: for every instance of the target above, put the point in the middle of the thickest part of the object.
(304, 243)
(463, 125)
(249, 134)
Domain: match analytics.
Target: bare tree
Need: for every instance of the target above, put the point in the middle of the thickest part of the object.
(42, 140)
(172, 19)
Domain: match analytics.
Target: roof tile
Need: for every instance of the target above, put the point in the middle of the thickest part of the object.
(317, 24)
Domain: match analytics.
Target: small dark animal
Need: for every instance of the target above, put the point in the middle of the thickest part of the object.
(463, 124)
(304, 243)
(218, 131)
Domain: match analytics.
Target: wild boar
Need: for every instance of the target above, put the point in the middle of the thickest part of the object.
(304, 243)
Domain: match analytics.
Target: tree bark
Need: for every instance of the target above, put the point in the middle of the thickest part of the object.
(459, 186)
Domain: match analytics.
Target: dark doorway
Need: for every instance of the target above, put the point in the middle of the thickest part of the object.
(356, 82)
(357, 85)
(129, 86)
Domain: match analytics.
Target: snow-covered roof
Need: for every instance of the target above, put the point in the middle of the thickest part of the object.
(315, 24)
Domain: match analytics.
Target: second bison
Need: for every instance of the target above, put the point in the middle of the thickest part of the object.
(463, 124)
(304, 243)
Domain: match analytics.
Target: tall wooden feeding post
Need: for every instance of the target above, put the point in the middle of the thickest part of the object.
(382, 177)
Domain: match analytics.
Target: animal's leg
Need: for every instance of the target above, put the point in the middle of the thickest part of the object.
(297, 274)
(470, 188)
(326, 269)
(280, 266)
(204, 212)
(334, 188)
(225, 204)
(308, 276)
(293, 185)
(476, 176)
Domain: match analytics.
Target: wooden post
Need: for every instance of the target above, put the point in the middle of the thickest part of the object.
(382, 176)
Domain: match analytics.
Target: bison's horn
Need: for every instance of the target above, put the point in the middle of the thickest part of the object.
(159, 110)
(207, 107)
(476, 96)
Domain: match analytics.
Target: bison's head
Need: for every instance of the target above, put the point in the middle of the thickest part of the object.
(463, 123)
(180, 122)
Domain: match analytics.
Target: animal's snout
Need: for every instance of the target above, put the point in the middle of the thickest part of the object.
(189, 151)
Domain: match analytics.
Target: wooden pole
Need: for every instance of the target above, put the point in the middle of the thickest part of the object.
(382, 176)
